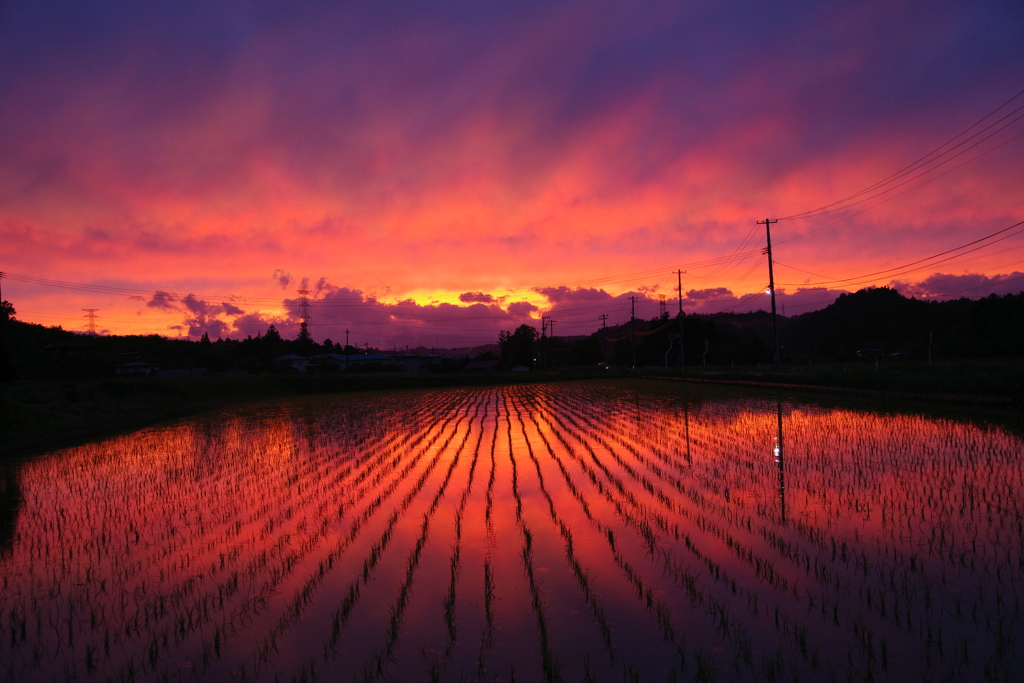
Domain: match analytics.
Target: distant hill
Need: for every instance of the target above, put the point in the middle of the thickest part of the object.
(881, 318)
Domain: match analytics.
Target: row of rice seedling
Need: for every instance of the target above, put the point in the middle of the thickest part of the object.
(556, 532)
(137, 606)
(952, 459)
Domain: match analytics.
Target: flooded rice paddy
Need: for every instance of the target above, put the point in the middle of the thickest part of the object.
(570, 532)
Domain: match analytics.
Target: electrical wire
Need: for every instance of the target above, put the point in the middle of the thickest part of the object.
(927, 261)
(900, 194)
(922, 162)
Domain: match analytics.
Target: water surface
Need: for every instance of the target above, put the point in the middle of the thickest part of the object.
(567, 531)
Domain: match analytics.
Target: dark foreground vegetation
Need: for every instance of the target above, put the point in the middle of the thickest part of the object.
(867, 326)
(43, 412)
(57, 382)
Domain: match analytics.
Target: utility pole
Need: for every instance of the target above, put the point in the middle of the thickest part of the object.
(632, 321)
(304, 314)
(90, 317)
(682, 357)
(346, 349)
(551, 329)
(543, 339)
(604, 320)
(767, 223)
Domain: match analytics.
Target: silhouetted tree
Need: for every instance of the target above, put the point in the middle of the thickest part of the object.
(7, 371)
(517, 347)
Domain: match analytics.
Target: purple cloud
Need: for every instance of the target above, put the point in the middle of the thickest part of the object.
(164, 301)
(476, 297)
(943, 286)
(283, 279)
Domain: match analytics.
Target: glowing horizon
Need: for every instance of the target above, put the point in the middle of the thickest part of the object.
(432, 155)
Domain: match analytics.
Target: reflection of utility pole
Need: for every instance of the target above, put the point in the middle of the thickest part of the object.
(90, 317)
(686, 412)
(767, 223)
(682, 358)
(632, 321)
(779, 462)
(604, 320)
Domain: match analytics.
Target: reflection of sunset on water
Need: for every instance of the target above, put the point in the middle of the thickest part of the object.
(563, 529)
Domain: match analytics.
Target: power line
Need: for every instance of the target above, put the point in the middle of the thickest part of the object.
(922, 162)
(892, 271)
(899, 194)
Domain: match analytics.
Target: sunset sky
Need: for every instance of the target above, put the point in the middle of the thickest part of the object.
(435, 172)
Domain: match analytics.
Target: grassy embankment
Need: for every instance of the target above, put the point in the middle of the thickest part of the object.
(987, 380)
(41, 412)
(37, 413)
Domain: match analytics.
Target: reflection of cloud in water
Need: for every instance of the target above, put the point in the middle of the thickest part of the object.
(579, 528)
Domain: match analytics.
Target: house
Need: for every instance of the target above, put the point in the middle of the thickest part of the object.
(183, 372)
(66, 348)
(294, 361)
(481, 366)
(412, 362)
(137, 367)
(342, 361)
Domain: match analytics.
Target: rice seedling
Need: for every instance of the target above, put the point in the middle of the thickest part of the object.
(738, 538)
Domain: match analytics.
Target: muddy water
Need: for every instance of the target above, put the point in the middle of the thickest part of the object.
(569, 531)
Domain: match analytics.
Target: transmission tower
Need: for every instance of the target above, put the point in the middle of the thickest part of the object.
(662, 306)
(90, 319)
(304, 319)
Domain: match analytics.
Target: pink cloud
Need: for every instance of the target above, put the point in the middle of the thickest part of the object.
(943, 286)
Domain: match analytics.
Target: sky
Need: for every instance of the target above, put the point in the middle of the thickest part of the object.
(433, 172)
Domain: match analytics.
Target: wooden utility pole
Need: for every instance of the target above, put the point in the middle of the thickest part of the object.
(604, 320)
(767, 223)
(543, 339)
